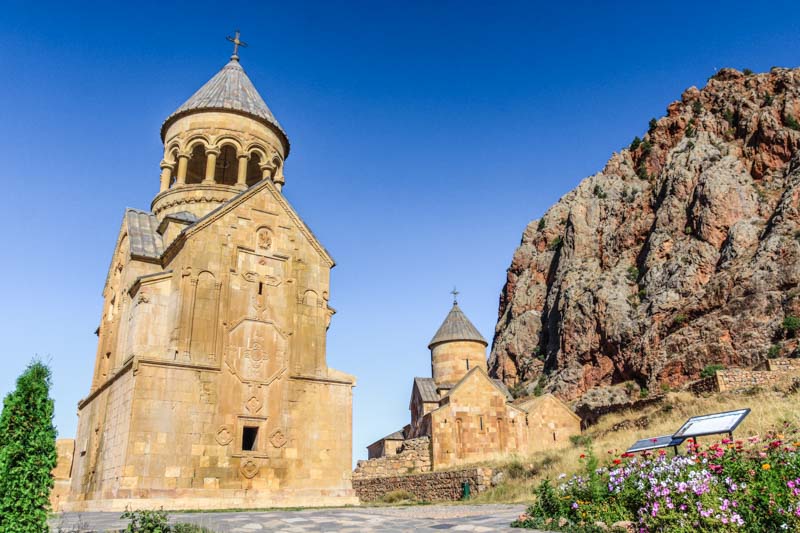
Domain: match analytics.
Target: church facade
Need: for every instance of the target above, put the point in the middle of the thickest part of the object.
(465, 415)
(211, 387)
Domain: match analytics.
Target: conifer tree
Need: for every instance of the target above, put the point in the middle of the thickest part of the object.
(27, 453)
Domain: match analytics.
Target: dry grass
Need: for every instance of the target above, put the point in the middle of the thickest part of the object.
(769, 409)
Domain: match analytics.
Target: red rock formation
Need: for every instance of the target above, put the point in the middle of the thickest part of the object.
(682, 252)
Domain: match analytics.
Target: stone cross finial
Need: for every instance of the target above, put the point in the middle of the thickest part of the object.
(236, 44)
(455, 294)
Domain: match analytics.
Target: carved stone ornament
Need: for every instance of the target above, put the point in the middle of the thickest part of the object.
(253, 405)
(264, 239)
(224, 435)
(278, 439)
(249, 469)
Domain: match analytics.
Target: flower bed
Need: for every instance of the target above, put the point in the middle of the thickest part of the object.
(751, 485)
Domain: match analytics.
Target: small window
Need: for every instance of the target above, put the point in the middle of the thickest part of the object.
(260, 287)
(467, 361)
(249, 436)
(481, 421)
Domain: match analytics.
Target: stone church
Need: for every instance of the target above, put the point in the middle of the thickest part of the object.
(211, 387)
(464, 416)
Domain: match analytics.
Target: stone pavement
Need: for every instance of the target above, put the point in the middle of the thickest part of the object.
(349, 519)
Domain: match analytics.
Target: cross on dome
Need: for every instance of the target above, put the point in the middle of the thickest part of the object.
(455, 294)
(236, 44)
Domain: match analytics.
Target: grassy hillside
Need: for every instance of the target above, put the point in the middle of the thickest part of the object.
(615, 432)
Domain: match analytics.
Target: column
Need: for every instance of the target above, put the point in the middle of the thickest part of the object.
(211, 164)
(183, 165)
(241, 177)
(278, 178)
(166, 175)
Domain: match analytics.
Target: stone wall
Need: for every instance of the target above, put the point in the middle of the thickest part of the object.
(431, 486)
(65, 448)
(413, 456)
(776, 372)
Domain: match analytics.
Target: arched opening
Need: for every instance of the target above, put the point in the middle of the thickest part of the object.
(253, 169)
(226, 167)
(196, 170)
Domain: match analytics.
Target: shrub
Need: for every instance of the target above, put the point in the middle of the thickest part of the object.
(635, 143)
(580, 440)
(630, 386)
(644, 392)
(642, 294)
(144, 521)
(554, 244)
(641, 171)
(790, 121)
(516, 470)
(680, 320)
(633, 273)
(538, 390)
(747, 72)
(599, 192)
(652, 125)
(396, 496)
(647, 147)
(540, 226)
(711, 370)
(774, 351)
(27, 452)
(697, 107)
(687, 230)
(791, 324)
(729, 116)
(768, 99)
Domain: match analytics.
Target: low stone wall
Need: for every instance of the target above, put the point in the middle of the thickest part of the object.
(737, 378)
(783, 365)
(413, 456)
(704, 385)
(431, 486)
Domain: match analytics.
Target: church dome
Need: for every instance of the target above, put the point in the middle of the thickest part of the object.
(230, 90)
(456, 327)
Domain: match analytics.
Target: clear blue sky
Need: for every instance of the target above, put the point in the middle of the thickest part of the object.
(425, 136)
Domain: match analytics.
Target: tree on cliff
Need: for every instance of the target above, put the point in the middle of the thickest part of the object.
(27, 452)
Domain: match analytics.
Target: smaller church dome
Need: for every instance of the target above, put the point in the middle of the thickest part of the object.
(229, 90)
(456, 327)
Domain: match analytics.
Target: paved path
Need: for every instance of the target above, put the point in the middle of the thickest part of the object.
(351, 519)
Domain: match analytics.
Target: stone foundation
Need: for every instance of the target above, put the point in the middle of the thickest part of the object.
(431, 486)
(770, 373)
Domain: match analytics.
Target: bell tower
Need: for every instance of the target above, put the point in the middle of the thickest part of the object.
(456, 348)
(221, 141)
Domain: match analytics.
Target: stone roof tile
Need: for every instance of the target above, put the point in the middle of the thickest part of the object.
(144, 239)
(427, 389)
(457, 327)
(229, 90)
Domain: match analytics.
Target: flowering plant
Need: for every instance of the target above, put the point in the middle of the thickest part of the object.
(731, 485)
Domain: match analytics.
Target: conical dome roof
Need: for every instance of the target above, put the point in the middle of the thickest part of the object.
(229, 90)
(456, 327)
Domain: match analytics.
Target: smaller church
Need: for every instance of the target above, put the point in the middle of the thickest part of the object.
(465, 415)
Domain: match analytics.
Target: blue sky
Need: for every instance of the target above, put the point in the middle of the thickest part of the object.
(425, 136)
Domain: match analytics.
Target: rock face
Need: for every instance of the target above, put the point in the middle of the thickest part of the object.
(681, 253)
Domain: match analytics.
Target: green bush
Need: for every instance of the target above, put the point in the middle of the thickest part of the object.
(652, 125)
(27, 452)
(711, 370)
(144, 521)
(791, 122)
(642, 294)
(539, 389)
(580, 440)
(680, 319)
(635, 143)
(644, 392)
(768, 99)
(697, 107)
(516, 470)
(540, 226)
(554, 244)
(791, 324)
(599, 192)
(747, 72)
(633, 273)
(774, 351)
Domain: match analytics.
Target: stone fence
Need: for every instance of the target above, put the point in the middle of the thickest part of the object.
(413, 456)
(430, 486)
(768, 373)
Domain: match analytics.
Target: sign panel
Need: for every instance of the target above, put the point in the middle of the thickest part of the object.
(653, 443)
(698, 426)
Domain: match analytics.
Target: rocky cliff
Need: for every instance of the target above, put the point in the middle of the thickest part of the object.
(681, 253)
